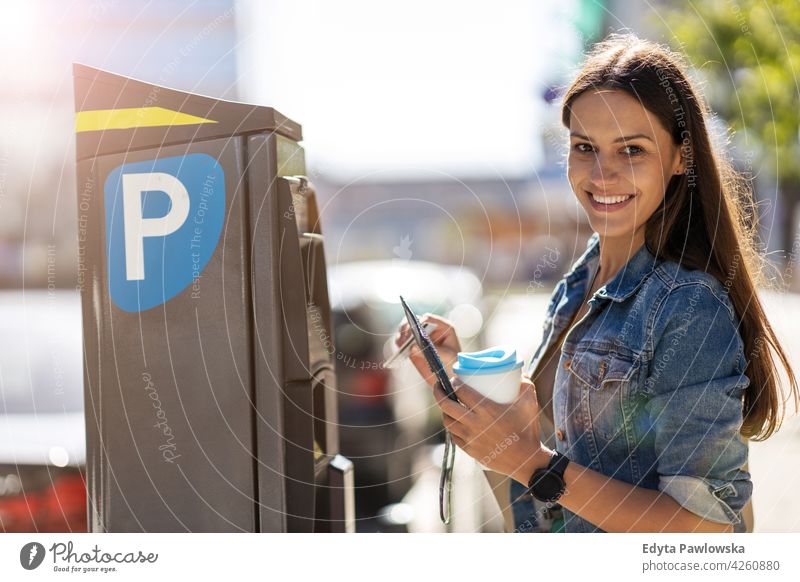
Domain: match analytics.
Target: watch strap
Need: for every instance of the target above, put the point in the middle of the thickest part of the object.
(558, 464)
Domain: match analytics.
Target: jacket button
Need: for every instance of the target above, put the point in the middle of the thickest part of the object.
(567, 364)
(559, 434)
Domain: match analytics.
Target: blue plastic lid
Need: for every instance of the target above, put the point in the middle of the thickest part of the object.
(494, 360)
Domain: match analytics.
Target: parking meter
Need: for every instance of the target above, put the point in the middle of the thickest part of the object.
(208, 362)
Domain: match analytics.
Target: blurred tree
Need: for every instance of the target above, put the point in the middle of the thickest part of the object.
(749, 52)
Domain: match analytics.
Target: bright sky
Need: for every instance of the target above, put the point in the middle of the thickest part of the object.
(408, 89)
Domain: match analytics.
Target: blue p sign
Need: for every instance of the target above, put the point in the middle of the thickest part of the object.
(163, 221)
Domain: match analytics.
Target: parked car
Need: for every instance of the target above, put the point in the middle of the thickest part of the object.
(386, 415)
(42, 431)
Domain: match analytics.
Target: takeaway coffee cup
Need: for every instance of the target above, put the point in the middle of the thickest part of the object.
(494, 372)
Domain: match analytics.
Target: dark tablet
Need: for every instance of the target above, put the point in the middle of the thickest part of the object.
(429, 351)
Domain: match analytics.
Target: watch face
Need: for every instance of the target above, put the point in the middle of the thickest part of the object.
(547, 486)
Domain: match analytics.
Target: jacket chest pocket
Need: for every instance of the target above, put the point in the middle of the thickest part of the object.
(606, 379)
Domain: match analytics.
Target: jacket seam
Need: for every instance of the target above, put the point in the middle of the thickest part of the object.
(673, 285)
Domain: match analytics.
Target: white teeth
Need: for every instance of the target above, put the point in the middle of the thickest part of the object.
(611, 199)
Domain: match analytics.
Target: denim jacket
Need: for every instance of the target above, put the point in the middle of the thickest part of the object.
(649, 386)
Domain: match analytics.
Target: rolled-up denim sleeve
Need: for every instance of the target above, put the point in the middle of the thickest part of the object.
(695, 386)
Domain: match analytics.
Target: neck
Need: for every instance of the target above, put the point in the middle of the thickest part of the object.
(615, 252)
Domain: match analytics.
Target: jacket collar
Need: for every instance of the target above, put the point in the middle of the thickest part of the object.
(626, 281)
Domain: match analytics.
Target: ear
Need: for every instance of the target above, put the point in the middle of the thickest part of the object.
(679, 162)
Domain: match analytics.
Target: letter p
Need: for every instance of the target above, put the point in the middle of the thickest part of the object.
(137, 227)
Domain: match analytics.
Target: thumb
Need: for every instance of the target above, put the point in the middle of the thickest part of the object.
(527, 388)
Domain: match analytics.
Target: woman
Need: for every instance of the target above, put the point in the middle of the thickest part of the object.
(656, 363)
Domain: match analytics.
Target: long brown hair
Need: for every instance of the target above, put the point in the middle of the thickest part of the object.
(707, 220)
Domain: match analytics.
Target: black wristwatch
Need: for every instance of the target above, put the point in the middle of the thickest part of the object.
(547, 484)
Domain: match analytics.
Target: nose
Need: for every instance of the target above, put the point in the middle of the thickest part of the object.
(604, 171)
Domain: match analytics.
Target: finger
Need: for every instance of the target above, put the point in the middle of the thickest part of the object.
(454, 426)
(448, 406)
(421, 365)
(429, 317)
(424, 371)
(527, 389)
(402, 333)
(419, 360)
(471, 398)
(461, 443)
(443, 327)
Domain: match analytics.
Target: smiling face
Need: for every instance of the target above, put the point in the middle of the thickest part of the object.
(620, 161)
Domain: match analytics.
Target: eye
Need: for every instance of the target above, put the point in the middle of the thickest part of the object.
(583, 148)
(632, 150)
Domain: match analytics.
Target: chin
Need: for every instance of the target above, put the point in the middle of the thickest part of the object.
(606, 230)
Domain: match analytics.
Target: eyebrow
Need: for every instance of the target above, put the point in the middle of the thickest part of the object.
(619, 139)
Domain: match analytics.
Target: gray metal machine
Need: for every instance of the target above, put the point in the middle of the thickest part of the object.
(209, 376)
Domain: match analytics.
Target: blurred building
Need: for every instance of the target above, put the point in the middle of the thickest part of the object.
(187, 45)
(431, 130)
(510, 232)
(443, 131)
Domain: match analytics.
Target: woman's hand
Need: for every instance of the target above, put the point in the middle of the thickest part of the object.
(503, 437)
(443, 337)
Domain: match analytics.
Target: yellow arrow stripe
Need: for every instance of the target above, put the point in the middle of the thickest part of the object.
(317, 450)
(102, 119)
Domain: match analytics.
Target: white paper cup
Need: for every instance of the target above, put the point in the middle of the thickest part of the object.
(501, 387)
(495, 372)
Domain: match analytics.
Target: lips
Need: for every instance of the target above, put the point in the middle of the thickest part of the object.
(608, 202)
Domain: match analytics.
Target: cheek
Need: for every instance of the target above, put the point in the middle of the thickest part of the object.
(650, 183)
(577, 170)
(649, 179)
